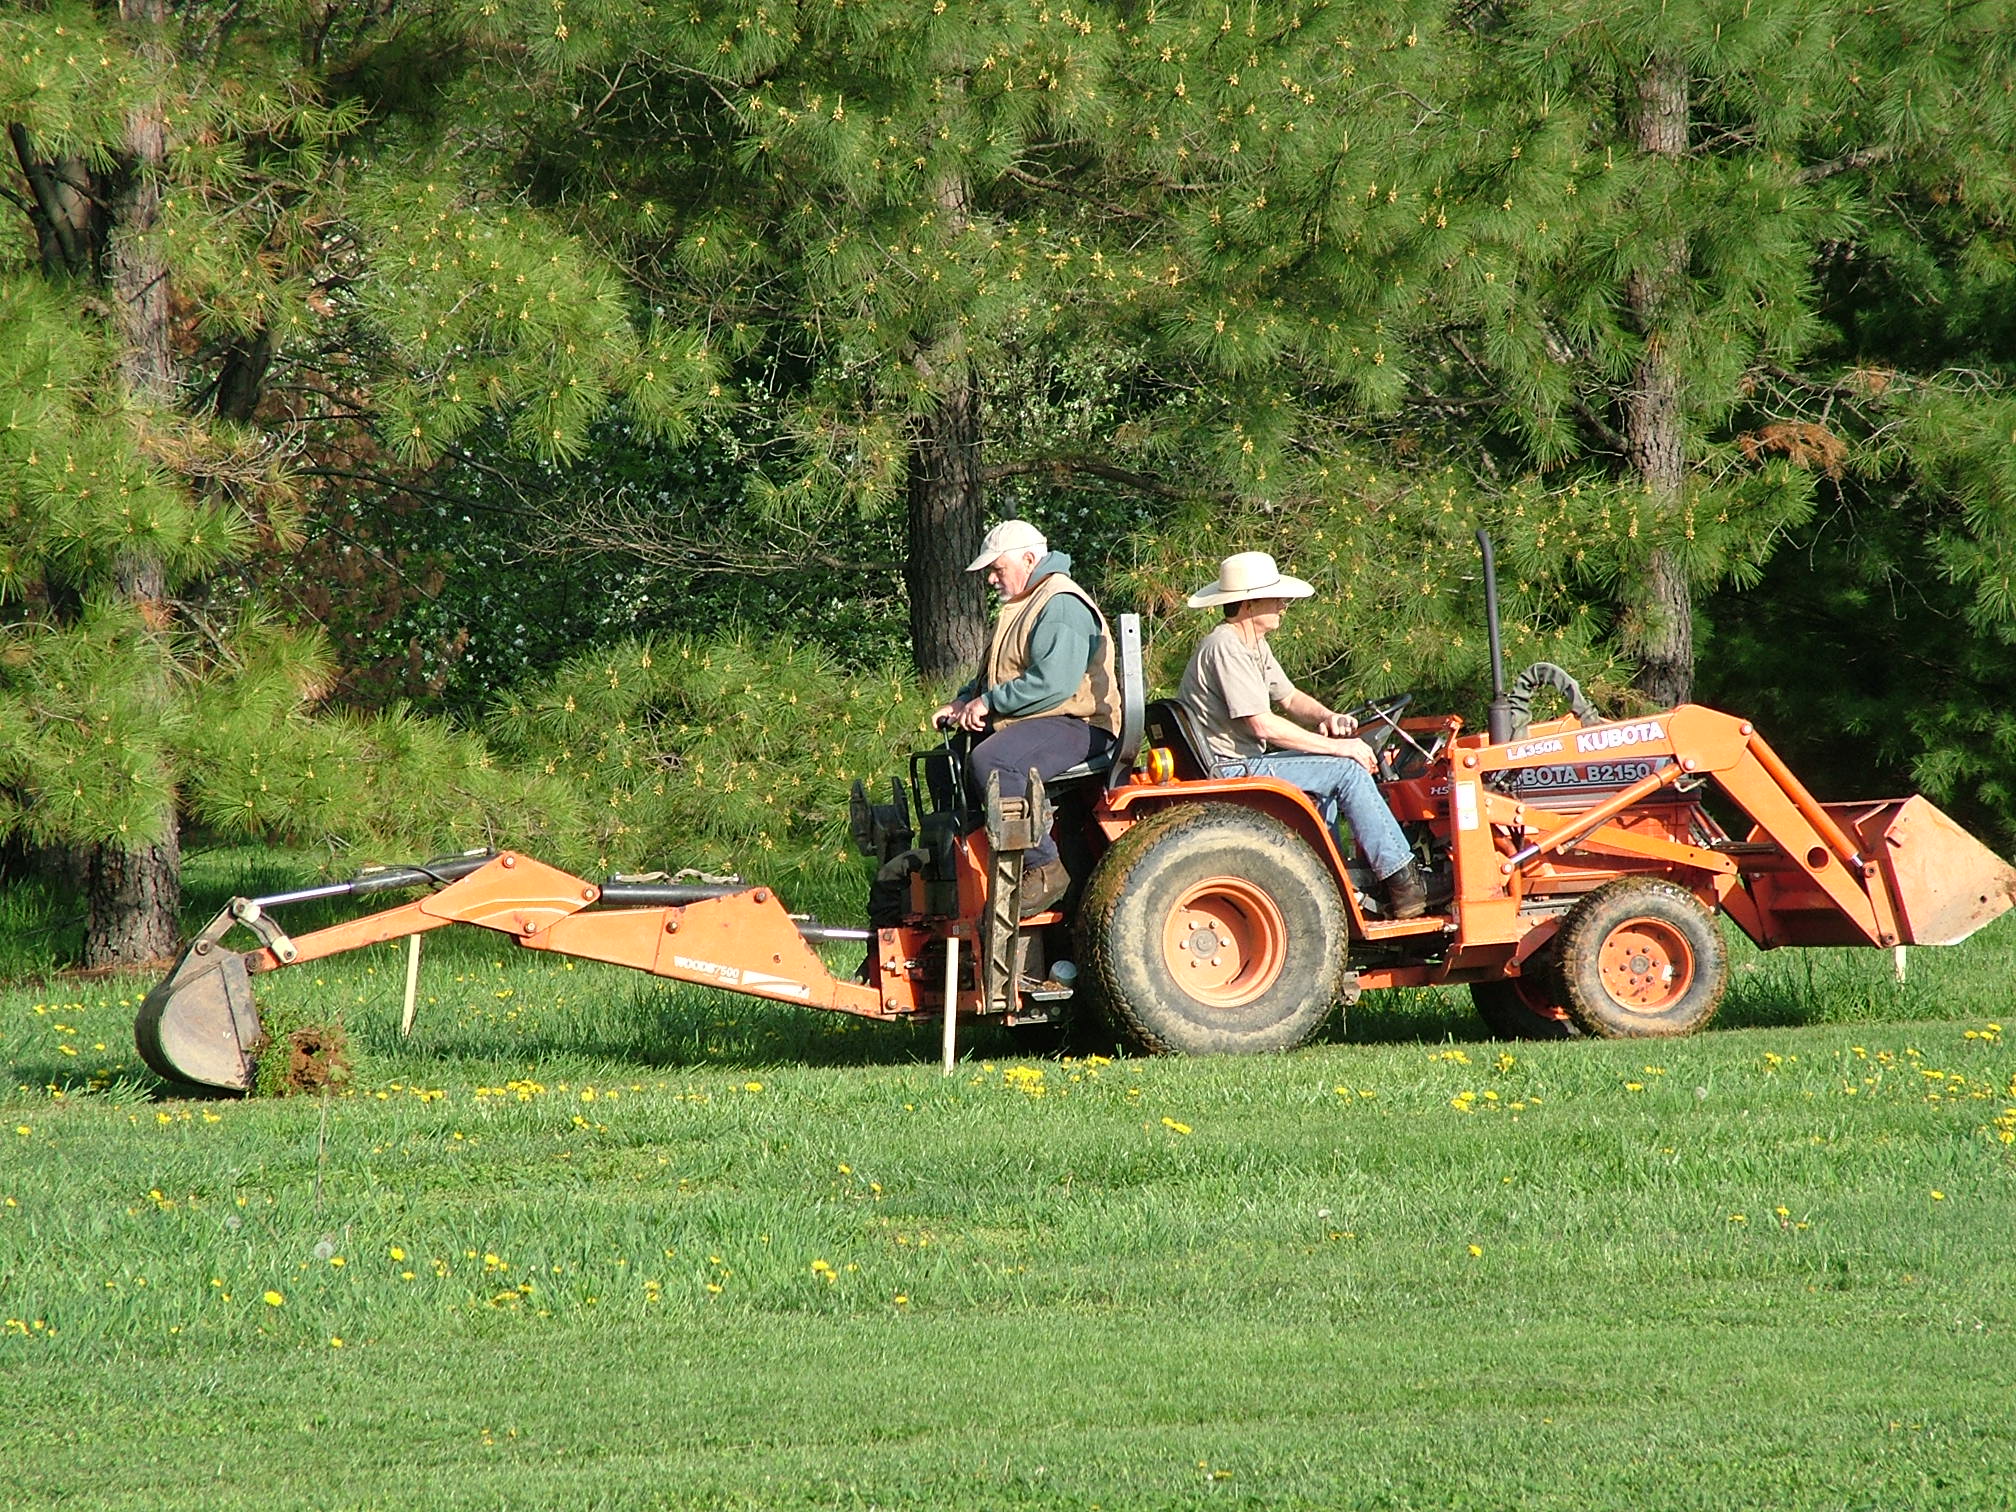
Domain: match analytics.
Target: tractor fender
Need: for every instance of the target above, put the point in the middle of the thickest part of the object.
(1124, 807)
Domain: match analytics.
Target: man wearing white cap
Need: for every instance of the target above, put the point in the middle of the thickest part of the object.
(1231, 687)
(1045, 688)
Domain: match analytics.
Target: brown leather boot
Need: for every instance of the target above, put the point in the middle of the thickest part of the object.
(1406, 893)
(1043, 886)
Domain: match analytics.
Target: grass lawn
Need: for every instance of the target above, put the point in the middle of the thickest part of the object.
(586, 1241)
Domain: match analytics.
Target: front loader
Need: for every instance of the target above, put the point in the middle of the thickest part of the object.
(1579, 866)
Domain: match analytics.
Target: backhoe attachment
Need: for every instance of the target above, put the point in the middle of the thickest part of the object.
(201, 1026)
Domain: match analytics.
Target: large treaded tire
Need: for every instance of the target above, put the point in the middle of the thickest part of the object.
(1191, 874)
(1640, 958)
(1524, 1007)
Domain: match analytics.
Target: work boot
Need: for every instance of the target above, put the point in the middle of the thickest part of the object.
(1043, 886)
(1406, 893)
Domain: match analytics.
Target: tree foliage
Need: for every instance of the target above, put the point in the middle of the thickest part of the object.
(743, 317)
(241, 259)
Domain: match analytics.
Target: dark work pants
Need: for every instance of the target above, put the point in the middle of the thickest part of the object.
(1050, 743)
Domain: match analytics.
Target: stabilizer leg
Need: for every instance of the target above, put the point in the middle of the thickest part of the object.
(1013, 826)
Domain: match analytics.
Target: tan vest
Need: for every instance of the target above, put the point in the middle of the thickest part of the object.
(1097, 700)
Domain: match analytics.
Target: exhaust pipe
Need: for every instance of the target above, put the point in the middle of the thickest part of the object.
(1498, 718)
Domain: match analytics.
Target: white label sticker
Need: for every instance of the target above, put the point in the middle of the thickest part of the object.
(1466, 805)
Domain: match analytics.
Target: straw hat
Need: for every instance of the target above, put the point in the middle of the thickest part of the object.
(1009, 535)
(1249, 575)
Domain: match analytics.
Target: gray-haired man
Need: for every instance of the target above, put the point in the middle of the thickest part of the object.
(1045, 689)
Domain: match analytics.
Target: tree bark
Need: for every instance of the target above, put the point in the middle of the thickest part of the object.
(66, 230)
(948, 605)
(946, 496)
(133, 902)
(133, 895)
(241, 381)
(1658, 627)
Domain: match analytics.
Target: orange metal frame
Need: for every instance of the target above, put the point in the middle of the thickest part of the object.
(1798, 878)
(744, 942)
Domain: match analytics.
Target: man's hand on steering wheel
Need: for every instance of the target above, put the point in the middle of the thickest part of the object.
(1383, 712)
(1379, 722)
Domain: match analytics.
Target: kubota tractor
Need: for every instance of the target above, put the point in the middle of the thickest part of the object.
(1580, 873)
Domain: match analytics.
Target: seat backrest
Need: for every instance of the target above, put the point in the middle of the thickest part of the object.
(1133, 690)
(1169, 724)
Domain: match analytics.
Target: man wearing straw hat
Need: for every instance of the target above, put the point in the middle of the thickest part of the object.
(1231, 688)
(1045, 690)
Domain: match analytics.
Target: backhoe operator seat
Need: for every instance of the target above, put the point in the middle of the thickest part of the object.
(1119, 759)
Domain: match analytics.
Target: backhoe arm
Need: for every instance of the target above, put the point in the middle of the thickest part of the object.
(201, 1025)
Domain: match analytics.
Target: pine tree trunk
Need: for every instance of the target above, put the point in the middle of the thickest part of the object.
(133, 902)
(133, 896)
(947, 500)
(1658, 628)
(948, 605)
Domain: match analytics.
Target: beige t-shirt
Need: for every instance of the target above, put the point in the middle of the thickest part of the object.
(1228, 680)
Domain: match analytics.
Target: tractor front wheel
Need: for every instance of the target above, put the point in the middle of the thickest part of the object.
(1525, 1007)
(1210, 929)
(1640, 957)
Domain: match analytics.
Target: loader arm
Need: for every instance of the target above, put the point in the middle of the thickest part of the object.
(200, 1024)
(1884, 873)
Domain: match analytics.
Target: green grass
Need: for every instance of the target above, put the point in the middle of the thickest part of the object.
(656, 1240)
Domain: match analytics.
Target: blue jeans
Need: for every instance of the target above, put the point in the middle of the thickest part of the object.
(1339, 785)
(1051, 743)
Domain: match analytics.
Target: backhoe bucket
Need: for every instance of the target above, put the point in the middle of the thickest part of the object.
(200, 1024)
(1945, 883)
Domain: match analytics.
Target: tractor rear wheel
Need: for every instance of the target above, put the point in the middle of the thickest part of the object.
(1524, 1007)
(1211, 929)
(1640, 957)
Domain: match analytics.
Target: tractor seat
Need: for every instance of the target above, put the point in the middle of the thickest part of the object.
(1118, 759)
(1167, 723)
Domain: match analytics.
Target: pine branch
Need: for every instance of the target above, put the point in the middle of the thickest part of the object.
(1052, 186)
(1848, 162)
(419, 491)
(41, 184)
(1064, 469)
(691, 542)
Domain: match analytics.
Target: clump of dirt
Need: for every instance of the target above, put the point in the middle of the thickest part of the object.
(318, 1059)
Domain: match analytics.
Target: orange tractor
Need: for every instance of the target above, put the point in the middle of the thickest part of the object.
(1581, 859)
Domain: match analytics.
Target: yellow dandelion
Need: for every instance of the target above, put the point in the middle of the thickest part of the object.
(273, 1299)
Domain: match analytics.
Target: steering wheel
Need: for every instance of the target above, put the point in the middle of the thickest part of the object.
(1378, 723)
(1384, 712)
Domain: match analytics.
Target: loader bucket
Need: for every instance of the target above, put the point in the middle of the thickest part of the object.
(1945, 883)
(200, 1025)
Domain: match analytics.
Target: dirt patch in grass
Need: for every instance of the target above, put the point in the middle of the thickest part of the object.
(318, 1059)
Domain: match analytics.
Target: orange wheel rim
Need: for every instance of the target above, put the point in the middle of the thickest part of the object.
(1646, 966)
(1224, 942)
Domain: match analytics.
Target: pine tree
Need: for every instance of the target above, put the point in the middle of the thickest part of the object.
(881, 208)
(1639, 249)
(216, 196)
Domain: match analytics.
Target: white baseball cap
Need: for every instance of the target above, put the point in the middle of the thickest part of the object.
(1009, 535)
(1249, 575)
